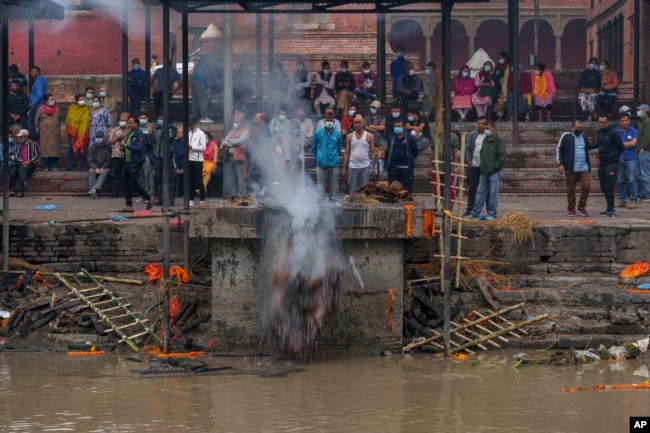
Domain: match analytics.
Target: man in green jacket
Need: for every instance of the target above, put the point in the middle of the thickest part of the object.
(643, 147)
(493, 158)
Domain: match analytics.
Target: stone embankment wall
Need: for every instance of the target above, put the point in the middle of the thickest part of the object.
(97, 246)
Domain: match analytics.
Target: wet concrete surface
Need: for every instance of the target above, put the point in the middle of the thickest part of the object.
(544, 209)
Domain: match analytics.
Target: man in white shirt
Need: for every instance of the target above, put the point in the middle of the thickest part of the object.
(360, 154)
(473, 161)
(197, 143)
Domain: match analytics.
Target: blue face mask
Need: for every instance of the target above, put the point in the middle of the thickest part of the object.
(344, 70)
(410, 118)
(398, 130)
(592, 66)
(465, 74)
(351, 113)
(638, 113)
(488, 132)
(326, 71)
(601, 68)
(373, 110)
(136, 67)
(95, 104)
(487, 68)
(89, 95)
(160, 122)
(11, 140)
(400, 54)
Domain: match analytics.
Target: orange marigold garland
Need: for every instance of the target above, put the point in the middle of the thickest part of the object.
(182, 277)
(155, 272)
(635, 270)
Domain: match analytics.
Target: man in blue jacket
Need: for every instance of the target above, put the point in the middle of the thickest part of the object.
(325, 146)
(134, 154)
(36, 98)
(400, 156)
(572, 157)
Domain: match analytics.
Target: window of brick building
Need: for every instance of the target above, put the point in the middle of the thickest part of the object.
(610, 43)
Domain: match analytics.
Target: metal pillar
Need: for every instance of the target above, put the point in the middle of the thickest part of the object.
(165, 171)
(271, 53)
(513, 26)
(259, 97)
(186, 155)
(4, 67)
(125, 55)
(227, 72)
(147, 46)
(30, 48)
(447, 5)
(381, 58)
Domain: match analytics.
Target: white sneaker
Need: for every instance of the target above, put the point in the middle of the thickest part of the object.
(192, 204)
(206, 120)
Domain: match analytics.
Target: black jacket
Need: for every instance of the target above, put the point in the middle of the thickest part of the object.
(610, 145)
(566, 152)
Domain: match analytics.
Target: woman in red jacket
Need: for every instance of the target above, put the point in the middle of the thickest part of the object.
(463, 89)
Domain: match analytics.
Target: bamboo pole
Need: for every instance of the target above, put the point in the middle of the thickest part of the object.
(73, 274)
(459, 198)
(465, 326)
(500, 332)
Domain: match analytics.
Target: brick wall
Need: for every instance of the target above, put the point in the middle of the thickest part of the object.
(97, 246)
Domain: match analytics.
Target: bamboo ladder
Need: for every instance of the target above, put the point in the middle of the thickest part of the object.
(103, 301)
(485, 329)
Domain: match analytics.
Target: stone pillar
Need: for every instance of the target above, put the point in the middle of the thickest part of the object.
(471, 43)
(558, 52)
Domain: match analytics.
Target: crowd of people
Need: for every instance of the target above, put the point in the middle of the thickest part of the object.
(129, 147)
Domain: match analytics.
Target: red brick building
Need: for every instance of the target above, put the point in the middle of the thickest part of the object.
(88, 41)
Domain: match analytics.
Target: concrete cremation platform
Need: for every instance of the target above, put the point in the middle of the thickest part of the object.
(374, 236)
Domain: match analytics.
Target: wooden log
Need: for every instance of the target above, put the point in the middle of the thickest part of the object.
(71, 274)
(42, 321)
(488, 292)
(61, 306)
(462, 327)
(499, 332)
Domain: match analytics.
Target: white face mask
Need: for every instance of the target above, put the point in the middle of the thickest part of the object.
(502, 61)
(395, 115)
(122, 123)
(465, 74)
(412, 72)
(282, 117)
(366, 71)
(235, 125)
(427, 70)
(329, 124)
(82, 102)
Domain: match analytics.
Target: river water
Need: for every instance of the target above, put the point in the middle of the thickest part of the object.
(56, 393)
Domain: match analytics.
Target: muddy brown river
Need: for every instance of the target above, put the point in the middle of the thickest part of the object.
(57, 393)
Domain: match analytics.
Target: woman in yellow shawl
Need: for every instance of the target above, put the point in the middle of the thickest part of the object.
(77, 124)
(543, 91)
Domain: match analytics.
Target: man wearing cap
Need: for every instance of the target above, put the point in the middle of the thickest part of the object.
(325, 146)
(643, 149)
(366, 83)
(376, 124)
(301, 85)
(627, 164)
(27, 154)
(324, 92)
(429, 89)
(99, 161)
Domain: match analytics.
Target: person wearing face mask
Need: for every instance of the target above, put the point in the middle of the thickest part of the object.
(233, 169)
(116, 138)
(257, 154)
(90, 92)
(463, 88)
(279, 89)
(502, 70)
(395, 113)
(409, 87)
(293, 152)
(365, 85)
(100, 119)
(397, 66)
(325, 147)
(174, 85)
(77, 126)
(487, 87)
(493, 159)
(608, 94)
(99, 163)
(278, 126)
(306, 124)
(627, 185)
(13, 163)
(324, 91)
(643, 149)
(136, 79)
(572, 157)
(134, 155)
(610, 148)
(301, 85)
(146, 178)
(347, 122)
(48, 128)
(344, 87)
(27, 155)
(400, 156)
(589, 85)
(430, 88)
(337, 123)
(108, 102)
(543, 91)
(473, 161)
(419, 128)
(375, 123)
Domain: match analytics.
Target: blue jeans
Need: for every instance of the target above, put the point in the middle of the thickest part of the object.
(364, 93)
(643, 165)
(626, 178)
(488, 192)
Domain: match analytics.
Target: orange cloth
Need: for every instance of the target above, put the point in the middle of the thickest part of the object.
(539, 86)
